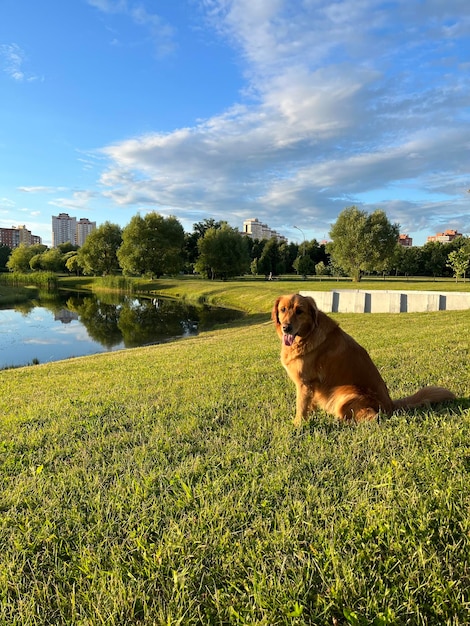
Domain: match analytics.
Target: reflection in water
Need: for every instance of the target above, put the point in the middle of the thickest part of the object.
(143, 321)
(65, 316)
(96, 323)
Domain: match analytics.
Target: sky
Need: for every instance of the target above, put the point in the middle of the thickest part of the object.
(288, 111)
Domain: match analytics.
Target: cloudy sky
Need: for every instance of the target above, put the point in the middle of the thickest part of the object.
(284, 110)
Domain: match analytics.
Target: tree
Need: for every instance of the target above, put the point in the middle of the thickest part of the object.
(288, 253)
(362, 242)
(152, 245)
(434, 258)
(191, 250)
(270, 261)
(5, 252)
(98, 255)
(52, 260)
(304, 265)
(223, 252)
(458, 261)
(309, 254)
(72, 264)
(21, 256)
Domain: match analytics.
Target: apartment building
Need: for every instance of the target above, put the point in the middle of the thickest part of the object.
(405, 240)
(84, 228)
(257, 230)
(447, 235)
(16, 235)
(64, 229)
(67, 229)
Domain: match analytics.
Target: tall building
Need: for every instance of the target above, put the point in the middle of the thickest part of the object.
(84, 228)
(257, 230)
(64, 229)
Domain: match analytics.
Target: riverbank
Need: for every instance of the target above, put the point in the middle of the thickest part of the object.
(254, 295)
(167, 485)
(15, 295)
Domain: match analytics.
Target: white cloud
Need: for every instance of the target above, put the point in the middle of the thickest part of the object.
(13, 60)
(346, 101)
(41, 189)
(79, 201)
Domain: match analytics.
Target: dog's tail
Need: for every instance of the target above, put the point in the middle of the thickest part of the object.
(427, 395)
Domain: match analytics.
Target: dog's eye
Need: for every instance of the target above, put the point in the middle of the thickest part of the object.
(298, 311)
(283, 309)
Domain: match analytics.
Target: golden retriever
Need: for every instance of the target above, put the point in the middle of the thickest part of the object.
(331, 370)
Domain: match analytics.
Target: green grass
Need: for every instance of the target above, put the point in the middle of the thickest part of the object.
(166, 485)
(253, 295)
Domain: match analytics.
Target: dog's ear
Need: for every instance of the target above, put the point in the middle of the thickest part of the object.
(274, 315)
(312, 309)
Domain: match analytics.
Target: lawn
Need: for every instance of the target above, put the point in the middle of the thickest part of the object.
(167, 485)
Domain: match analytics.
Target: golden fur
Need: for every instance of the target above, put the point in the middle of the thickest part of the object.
(331, 370)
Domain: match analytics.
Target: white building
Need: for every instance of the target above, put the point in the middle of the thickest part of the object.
(84, 228)
(64, 229)
(257, 230)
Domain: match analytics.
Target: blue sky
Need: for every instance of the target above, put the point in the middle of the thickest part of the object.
(284, 110)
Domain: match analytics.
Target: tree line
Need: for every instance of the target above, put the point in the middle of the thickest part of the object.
(154, 245)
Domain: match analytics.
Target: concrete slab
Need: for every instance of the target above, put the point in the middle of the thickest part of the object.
(388, 301)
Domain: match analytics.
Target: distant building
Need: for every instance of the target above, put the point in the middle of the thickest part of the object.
(64, 229)
(447, 235)
(255, 229)
(405, 240)
(16, 235)
(84, 228)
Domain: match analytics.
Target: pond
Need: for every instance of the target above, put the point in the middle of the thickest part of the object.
(77, 324)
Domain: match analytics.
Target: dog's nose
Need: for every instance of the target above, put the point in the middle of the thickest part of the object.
(287, 328)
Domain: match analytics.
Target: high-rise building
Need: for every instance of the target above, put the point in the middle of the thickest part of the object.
(84, 228)
(64, 229)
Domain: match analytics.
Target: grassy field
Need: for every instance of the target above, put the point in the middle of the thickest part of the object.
(166, 485)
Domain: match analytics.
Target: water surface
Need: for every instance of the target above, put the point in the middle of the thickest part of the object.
(77, 324)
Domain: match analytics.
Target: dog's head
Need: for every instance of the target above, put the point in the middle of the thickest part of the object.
(294, 316)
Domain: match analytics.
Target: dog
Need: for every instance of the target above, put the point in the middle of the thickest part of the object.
(331, 370)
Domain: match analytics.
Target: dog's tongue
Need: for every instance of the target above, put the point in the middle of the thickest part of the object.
(288, 339)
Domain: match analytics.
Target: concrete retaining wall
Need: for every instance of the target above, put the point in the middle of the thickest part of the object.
(362, 301)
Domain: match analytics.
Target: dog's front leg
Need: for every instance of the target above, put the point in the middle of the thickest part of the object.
(304, 403)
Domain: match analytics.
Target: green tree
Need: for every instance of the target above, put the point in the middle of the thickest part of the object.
(72, 264)
(223, 252)
(288, 253)
(458, 261)
(52, 260)
(270, 261)
(65, 248)
(434, 258)
(362, 242)
(21, 256)
(304, 265)
(152, 245)
(5, 252)
(191, 250)
(321, 269)
(98, 255)
(309, 254)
